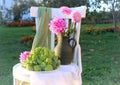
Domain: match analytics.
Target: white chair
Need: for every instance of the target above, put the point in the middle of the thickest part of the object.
(66, 74)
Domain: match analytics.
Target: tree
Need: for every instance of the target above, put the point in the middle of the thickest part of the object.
(93, 4)
(0, 17)
(20, 8)
(114, 6)
(58, 3)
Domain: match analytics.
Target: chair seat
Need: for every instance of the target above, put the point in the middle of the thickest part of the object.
(64, 75)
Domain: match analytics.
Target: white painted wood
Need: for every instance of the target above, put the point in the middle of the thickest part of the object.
(56, 12)
(52, 41)
(33, 11)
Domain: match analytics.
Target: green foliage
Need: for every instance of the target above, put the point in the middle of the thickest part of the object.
(94, 30)
(113, 6)
(95, 4)
(98, 18)
(100, 29)
(41, 59)
(2, 20)
(0, 17)
(59, 3)
(20, 8)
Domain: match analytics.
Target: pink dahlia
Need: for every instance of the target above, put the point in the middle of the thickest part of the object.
(57, 25)
(23, 56)
(65, 10)
(76, 16)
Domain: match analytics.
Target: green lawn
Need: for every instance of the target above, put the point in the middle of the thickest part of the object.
(100, 56)
(10, 48)
(100, 59)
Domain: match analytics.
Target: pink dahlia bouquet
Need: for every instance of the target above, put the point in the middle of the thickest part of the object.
(58, 25)
(76, 16)
(23, 56)
(65, 10)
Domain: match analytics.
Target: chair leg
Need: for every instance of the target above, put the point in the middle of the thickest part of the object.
(17, 82)
(14, 81)
(21, 82)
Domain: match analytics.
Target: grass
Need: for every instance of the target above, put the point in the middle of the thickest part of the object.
(101, 59)
(100, 55)
(100, 25)
(10, 49)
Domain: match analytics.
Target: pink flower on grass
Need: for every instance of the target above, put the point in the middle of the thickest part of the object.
(65, 10)
(23, 56)
(76, 16)
(57, 25)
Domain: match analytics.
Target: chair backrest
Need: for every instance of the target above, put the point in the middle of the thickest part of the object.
(56, 13)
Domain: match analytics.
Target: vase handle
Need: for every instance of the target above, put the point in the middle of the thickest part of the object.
(72, 42)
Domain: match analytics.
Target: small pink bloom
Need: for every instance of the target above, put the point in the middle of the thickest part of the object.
(76, 16)
(57, 25)
(23, 56)
(65, 10)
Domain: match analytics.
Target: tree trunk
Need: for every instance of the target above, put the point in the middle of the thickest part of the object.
(114, 18)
